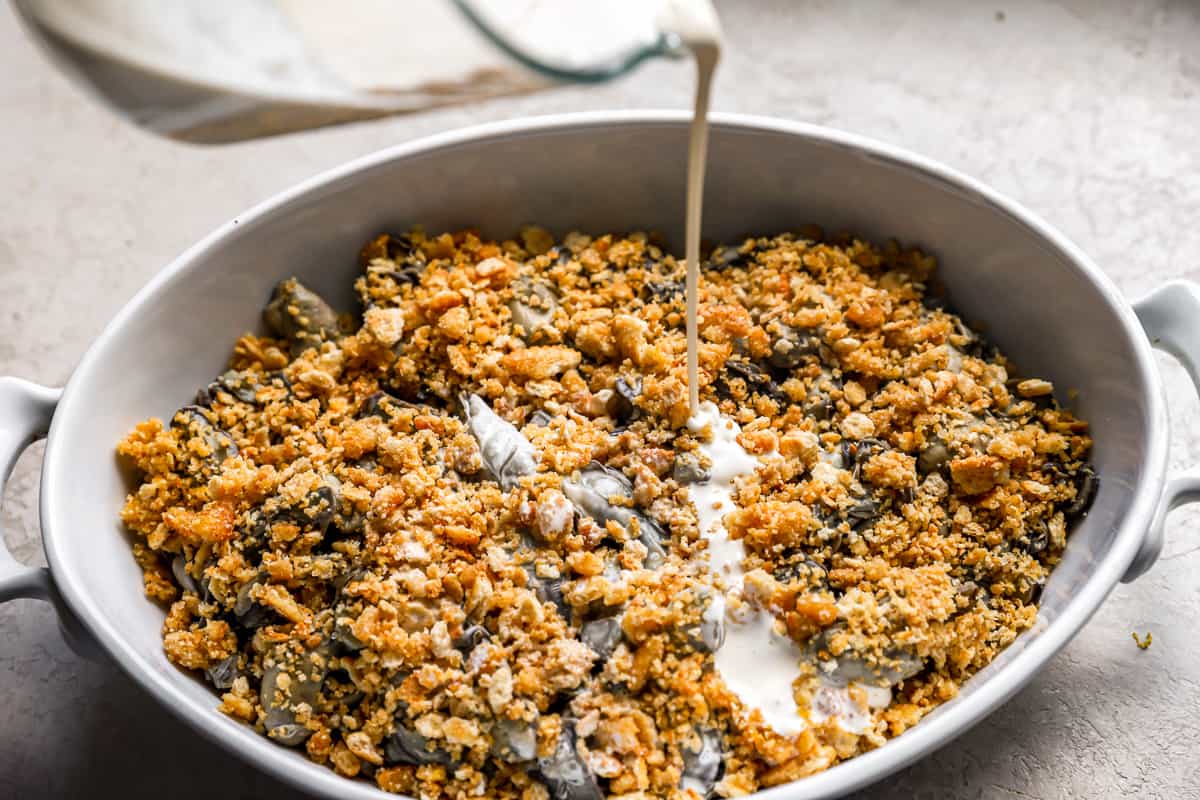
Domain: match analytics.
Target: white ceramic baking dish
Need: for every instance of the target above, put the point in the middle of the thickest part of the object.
(1035, 293)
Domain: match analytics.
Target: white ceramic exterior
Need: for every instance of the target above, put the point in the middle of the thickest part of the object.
(1033, 292)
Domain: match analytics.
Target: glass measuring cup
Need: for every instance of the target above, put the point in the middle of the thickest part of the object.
(212, 71)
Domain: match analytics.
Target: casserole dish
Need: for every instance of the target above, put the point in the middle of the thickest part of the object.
(1035, 294)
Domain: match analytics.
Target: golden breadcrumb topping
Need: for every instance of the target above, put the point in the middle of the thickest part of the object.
(447, 545)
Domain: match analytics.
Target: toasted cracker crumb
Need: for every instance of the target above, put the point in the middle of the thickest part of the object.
(908, 505)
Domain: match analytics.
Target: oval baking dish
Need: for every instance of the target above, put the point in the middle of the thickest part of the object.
(1036, 295)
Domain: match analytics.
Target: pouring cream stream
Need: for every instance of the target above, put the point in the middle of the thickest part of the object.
(758, 662)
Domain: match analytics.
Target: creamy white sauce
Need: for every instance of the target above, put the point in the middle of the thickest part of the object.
(757, 662)
(414, 551)
(833, 702)
(831, 457)
(555, 514)
(713, 499)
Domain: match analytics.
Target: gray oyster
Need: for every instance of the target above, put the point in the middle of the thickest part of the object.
(622, 404)
(933, 457)
(602, 635)
(405, 746)
(1086, 486)
(819, 403)
(305, 673)
(514, 740)
(790, 347)
(250, 614)
(182, 577)
(506, 454)
(193, 422)
(318, 507)
(343, 620)
(298, 314)
(222, 674)
(548, 590)
(471, 637)
(703, 761)
(532, 307)
(687, 469)
(708, 635)
(893, 667)
(242, 386)
(564, 773)
(591, 491)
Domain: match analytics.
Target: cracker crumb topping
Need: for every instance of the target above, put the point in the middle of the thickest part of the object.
(447, 547)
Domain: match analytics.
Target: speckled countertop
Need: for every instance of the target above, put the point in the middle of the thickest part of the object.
(1086, 111)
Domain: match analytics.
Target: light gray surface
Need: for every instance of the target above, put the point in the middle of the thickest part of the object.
(1086, 114)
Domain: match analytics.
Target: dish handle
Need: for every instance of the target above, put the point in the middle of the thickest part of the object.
(25, 413)
(1171, 317)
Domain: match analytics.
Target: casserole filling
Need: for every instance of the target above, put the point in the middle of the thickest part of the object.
(470, 541)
